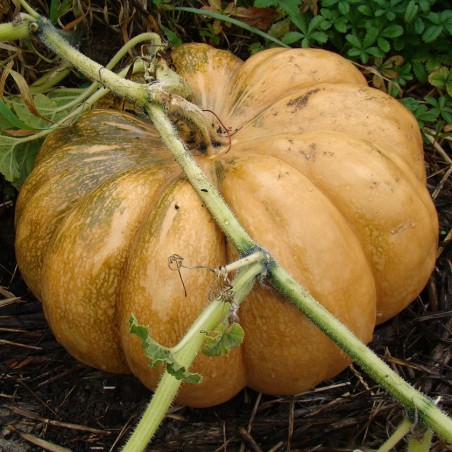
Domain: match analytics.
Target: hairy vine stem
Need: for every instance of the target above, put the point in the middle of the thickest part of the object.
(157, 101)
(214, 314)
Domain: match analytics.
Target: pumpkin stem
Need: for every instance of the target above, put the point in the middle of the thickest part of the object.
(168, 89)
(215, 314)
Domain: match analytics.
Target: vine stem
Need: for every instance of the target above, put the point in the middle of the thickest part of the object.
(11, 31)
(416, 403)
(205, 189)
(413, 401)
(214, 314)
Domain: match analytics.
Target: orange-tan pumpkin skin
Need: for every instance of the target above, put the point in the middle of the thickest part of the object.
(323, 171)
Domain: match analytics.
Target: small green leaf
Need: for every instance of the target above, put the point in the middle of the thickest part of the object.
(353, 40)
(265, 3)
(223, 339)
(419, 25)
(343, 7)
(158, 354)
(425, 5)
(392, 31)
(383, 44)
(440, 77)
(371, 37)
(375, 51)
(172, 37)
(365, 10)
(420, 71)
(411, 11)
(16, 158)
(341, 25)
(432, 33)
(291, 37)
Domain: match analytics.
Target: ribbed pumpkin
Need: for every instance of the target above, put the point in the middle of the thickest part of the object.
(323, 171)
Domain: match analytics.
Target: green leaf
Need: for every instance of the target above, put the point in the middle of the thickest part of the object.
(411, 11)
(375, 51)
(265, 3)
(9, 115)
(341, 25)
(425, 5)
(431, 33)
(160, 355)
(315, 23)
(371, 37)
(291, 37)
(383, 44)
(16, 158)
(319, 37)
(420, 71)
(446, 20)
(223, 339)
(440, 77)
(292, 8)
(344, 7)
(353, 40)
(419, 26)
(172, 37)
(392, 31)
(365, 10)
(329, 3)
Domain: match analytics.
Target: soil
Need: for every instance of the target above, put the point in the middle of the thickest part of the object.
(49, 401)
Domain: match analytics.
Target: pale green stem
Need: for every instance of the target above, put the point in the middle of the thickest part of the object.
(412, 400)
(142, 94)
(207, 192)
(12, 31)
(420, 442)
(137, 67)
(247, 260)
(28, 8)
(50, 79)
(215, 313)
(258, 257)
(402, 430)
(95, 71)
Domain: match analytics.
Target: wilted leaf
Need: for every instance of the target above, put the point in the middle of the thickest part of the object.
(260, 18)
(158, 354)
(223, 339)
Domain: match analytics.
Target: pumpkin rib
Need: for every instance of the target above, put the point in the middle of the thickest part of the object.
(336, 182)
(339, 108)
(97, 233)
(255, 81)
(276, 325)
(155, 294)
(197, 63)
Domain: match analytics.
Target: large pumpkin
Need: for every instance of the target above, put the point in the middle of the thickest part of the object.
(324, 172)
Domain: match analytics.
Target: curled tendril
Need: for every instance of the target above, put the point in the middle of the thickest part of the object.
(221, 286)
(226, 129)
(176, 260)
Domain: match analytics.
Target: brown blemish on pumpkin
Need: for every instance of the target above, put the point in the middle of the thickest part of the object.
(301, 101)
